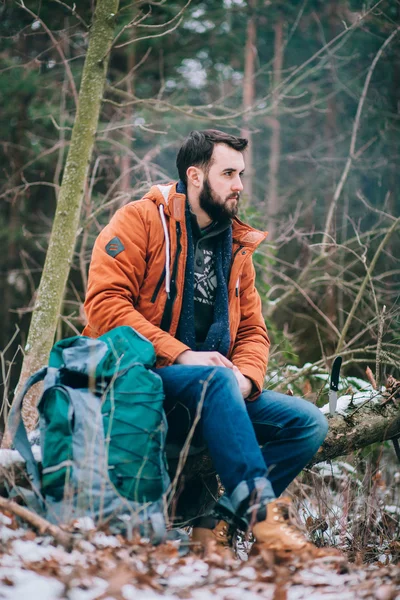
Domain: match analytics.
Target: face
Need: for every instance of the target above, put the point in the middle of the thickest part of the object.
(222, 185)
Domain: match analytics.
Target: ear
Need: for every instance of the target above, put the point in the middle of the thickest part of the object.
(195, 176)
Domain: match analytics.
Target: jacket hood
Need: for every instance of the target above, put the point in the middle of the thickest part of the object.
(173, 204)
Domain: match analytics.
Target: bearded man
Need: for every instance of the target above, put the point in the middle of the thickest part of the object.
(177, 267)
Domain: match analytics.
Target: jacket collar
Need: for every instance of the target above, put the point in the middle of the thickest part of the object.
(174, 203)
(174, 206)
(244, 235)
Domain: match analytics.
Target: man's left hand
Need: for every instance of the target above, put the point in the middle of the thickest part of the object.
(245, 384)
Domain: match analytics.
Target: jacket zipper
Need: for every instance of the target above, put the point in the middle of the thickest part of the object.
(157, 288)
(167, 315)
(233, 259)
(236, 251)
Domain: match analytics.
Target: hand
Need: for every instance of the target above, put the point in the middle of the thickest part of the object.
(245, 384)
(205, 359)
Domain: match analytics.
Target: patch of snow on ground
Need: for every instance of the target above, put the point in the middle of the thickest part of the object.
(8, 534)
(27, 584)
(131, 593)
(392, 509)
(5, 520)
(195, 571)
(8, 458)
(84, 524)
(88, 589)
(30, 551)
(334, 469)
(102, 540)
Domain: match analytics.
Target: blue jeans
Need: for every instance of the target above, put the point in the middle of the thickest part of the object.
(289, 429)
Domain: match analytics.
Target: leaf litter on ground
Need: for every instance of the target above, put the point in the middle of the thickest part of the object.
(107, 567)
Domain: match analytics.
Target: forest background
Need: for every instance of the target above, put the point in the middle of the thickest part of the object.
(314, 86)
(322, 171)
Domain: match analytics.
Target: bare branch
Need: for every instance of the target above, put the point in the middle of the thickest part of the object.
(151, 37)
(351, 157)
(42, 525)
(364, 283)
(138, 23)
(73, 11)
(57, 47)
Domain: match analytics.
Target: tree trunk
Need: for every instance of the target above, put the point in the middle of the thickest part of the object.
(249, 94)
(272, 189)
(63, 236)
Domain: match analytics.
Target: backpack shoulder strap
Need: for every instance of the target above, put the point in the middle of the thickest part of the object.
(18, 433)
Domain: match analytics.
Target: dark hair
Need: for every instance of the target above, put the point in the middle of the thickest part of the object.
(198, 147)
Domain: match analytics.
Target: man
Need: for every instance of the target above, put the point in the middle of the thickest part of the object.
(177, 266)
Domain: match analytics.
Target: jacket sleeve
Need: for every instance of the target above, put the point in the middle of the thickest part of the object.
(114, 284)
(251, 348)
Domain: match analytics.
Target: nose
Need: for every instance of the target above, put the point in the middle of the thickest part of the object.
(237, 185)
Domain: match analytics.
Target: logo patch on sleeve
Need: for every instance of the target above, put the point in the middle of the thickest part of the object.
(114, 247)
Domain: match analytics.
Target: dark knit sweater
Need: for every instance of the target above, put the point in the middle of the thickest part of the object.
(196, 327)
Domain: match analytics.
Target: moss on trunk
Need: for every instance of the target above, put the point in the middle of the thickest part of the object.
(66, 221)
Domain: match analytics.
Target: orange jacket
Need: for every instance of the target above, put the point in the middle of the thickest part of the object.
(128, 286)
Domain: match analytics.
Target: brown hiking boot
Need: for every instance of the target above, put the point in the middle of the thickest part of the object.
(214, 540)
(280, 530)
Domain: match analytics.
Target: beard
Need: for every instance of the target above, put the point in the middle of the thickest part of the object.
(217, 208)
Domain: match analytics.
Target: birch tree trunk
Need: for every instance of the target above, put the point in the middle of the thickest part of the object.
(63, 236)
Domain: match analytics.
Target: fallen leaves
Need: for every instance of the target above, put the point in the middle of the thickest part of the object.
(109, 567)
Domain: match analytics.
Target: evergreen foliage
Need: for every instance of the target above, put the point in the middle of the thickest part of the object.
(162, 86)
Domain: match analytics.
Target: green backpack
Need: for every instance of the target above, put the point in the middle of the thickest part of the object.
(102, 434)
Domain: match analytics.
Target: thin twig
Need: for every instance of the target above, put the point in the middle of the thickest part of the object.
(379, 347)
(361, 197)
(367, 278)
(185, 449)
(73, 11)
(310, 301)
(352, 156)
(58, 48)
(151, 37)
(137, 23)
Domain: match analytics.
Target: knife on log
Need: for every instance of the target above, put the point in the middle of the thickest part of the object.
(334, 384)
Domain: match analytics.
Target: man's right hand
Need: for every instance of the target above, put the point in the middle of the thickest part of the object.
(206, 359)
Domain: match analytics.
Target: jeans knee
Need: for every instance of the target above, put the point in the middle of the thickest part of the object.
(224, 384)
(222, 376)
(312, 419)
(321, 425)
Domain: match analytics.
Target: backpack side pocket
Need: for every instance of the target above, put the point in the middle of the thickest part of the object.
(56, 425)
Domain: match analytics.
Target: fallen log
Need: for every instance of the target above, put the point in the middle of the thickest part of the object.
(356, 426)
(355, 429)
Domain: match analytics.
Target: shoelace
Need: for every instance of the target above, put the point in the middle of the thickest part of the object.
(286, 515)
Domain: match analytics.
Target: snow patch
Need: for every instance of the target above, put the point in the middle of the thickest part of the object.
(105, 541)
(131, 593)
(349, 401)
(27, 584)
(88, 589)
